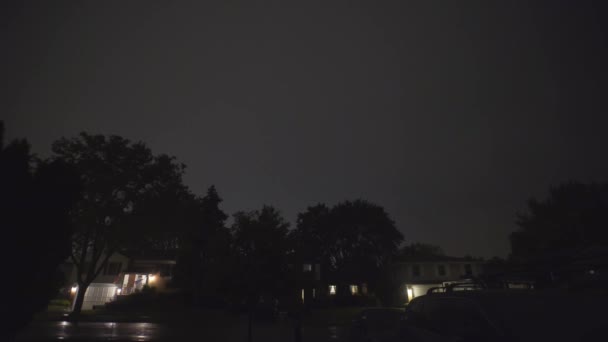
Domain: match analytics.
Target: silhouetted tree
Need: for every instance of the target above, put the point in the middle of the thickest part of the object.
(118, 176)
(260, 246)
(354, 239)
(34, 206)
(573, 217)
(204, 248)
(418, 249)
(260, 243)
(312, 237)
(215, 244)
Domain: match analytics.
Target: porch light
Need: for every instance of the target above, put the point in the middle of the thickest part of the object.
(151, 278)
(118, 291)
(73, 289)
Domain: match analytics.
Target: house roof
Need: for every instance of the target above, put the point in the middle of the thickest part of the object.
(150, 255)
(434, 258)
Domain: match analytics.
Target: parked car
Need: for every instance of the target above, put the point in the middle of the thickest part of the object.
(377, 324)
(471, 316)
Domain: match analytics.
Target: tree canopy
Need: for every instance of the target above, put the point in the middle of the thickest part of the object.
(35, 199)
(574, 216)
(204, 247)
(354, 239)
(121, 182)
(261, 245)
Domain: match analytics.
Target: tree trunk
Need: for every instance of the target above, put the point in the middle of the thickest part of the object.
(297, 336)
(82, 289)
(249, 326)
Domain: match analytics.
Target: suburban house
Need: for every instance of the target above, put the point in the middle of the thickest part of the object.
(123, 274)
(416, 275)
(307, 280)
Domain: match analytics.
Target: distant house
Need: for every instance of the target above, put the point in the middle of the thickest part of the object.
(416, 275)
(306, 276)
(153, 269)
(124, 274)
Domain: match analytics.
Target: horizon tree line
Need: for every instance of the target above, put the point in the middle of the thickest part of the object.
(98, 194)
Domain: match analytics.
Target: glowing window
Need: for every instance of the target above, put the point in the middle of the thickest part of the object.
(332, 289)
(307, 267)
(354, 289)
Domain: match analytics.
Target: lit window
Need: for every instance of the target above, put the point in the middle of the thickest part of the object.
(314, 293)
(354, 289)
(307, 267)
(302, 295)
(332, 289)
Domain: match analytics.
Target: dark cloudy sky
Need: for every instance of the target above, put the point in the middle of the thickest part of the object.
(448, 113)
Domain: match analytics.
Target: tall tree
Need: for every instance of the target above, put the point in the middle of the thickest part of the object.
(261, 246)
(573, 217)
(117, 176)
(354, 239)
(312, 238)
(204, 247)
(214, 244)
(35, 199)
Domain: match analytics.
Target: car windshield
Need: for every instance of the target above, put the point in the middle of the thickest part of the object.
(546, 318)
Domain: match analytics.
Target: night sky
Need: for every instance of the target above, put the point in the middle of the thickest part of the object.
(450, 114)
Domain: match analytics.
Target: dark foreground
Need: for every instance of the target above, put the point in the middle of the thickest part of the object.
(235, 330)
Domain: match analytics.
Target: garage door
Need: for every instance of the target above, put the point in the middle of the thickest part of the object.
(98, 294)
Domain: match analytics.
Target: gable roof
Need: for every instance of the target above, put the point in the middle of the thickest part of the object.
(434, 258)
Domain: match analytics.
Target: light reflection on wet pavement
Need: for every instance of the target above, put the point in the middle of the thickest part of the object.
(94, 331)
(98, 331)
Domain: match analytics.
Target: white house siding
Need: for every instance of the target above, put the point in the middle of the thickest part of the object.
(430, 276)
(98, 294)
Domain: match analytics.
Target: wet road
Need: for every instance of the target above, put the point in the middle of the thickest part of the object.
(96, 331)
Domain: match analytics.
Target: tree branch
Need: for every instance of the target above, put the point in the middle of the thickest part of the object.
(103, 263)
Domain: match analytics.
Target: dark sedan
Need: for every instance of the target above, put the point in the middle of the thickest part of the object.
(471, 316)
